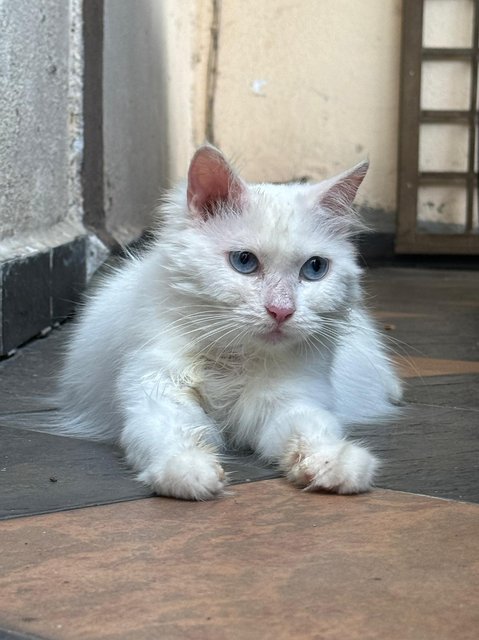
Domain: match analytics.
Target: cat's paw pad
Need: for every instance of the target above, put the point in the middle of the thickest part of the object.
(194, 474)
(342, 467)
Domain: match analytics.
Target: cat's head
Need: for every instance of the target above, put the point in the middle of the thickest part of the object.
(261, 265)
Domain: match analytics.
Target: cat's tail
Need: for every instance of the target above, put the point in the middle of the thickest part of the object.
(48, 417)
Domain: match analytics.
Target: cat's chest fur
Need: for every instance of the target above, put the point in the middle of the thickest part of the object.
(241, 393)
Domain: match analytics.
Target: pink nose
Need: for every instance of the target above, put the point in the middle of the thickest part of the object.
(280, 314)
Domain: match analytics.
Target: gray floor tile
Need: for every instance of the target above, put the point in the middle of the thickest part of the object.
(433, 449)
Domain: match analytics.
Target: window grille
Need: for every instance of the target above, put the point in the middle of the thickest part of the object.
(438, 158)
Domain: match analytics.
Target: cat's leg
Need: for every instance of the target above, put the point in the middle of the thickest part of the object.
(307, 444)
(169, 440)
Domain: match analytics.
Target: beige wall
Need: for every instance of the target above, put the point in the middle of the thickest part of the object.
(309, 88)
(302, 88)
(295, 88)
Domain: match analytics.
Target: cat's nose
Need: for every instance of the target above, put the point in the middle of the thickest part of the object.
(280, 314)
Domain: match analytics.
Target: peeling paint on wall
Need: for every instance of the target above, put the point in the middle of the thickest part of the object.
(257, 87)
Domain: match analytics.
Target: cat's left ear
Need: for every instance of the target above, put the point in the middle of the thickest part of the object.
(336, 195)
(212, 182)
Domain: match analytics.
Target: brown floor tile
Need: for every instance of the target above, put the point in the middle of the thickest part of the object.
(417, 367)
(266, 562)
(388, 315)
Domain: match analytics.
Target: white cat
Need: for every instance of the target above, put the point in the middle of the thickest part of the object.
(242, 325)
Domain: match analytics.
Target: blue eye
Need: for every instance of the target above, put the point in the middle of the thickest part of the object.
(315, 268)
(243, 261)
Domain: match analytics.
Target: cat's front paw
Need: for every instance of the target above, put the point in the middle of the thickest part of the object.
(193, 474)
(339, 466)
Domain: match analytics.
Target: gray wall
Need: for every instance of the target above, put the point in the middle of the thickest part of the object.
(48, 103)
(40, 123)
(134, 117)
(41, 127)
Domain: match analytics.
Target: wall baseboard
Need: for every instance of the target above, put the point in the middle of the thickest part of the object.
(40, 290)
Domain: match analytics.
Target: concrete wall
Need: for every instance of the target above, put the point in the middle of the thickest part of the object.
(147, 113)
(134, 114)
(40, 124)
(153, 92)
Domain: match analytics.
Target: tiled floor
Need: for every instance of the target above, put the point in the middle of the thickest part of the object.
(267, 561)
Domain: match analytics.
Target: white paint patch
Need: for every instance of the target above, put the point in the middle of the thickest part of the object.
(97, 253)
(257, 87)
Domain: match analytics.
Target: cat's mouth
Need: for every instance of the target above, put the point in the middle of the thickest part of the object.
(274, 336)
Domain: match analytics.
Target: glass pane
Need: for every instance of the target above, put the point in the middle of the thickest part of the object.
(441, 209)
(446, 84)
(448, 23)
(443, 147)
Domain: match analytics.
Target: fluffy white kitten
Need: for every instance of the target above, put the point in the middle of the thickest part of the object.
(242, 325)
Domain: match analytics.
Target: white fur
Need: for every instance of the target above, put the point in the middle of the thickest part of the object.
(173, 355)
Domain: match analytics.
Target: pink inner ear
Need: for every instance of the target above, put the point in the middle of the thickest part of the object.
(211, 181)
(340, 195)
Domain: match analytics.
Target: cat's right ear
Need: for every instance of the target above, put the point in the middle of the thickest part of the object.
(212, 182)
(337, 194)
